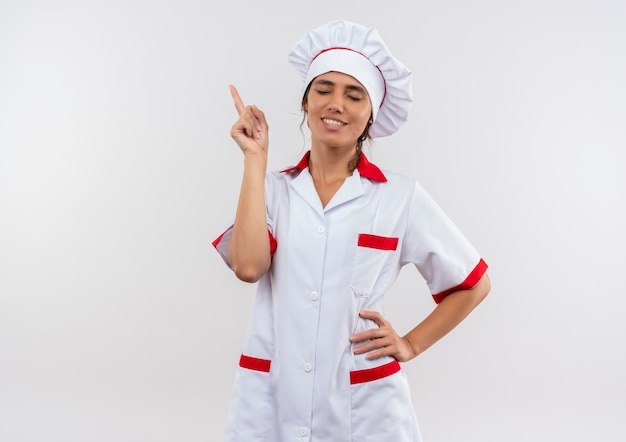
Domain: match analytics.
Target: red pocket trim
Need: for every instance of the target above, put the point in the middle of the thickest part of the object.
(371, 374)
(377, 242)
(255, 364)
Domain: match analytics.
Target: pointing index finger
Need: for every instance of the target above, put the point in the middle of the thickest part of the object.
(236, 99)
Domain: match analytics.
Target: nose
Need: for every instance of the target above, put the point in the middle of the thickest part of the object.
(335, 102)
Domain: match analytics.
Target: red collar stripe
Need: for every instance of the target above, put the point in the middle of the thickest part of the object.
(365, 168)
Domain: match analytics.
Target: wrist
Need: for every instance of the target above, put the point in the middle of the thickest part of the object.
(255, 159)
(413, 348)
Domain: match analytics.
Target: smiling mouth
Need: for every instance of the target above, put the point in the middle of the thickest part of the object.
(333, 122)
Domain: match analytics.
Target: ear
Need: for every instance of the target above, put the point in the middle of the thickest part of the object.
(305, 106)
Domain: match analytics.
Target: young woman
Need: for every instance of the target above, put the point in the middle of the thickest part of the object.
(325, 239)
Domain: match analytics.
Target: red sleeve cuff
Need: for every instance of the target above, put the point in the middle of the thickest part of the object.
(217, 240)
(469, 282)
(273, 243)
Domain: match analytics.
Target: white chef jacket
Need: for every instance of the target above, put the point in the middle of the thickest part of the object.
(298, 378)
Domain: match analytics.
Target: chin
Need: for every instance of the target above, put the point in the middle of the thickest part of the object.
(335, 142)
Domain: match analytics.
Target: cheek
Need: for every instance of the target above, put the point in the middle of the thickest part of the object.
(366, 112)
(313, 106)
(365, 117)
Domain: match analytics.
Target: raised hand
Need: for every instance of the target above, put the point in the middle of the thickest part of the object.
(250, 132)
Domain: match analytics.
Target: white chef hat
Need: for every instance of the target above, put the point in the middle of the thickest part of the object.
(358, 51)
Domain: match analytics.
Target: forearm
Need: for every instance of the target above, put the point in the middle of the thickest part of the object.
(446, 316)
(249, 248)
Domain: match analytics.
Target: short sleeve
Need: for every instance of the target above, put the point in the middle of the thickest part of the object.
(221, 242)
(441, 253)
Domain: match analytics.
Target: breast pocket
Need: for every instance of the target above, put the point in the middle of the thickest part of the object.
(374, 262)
(377, 242)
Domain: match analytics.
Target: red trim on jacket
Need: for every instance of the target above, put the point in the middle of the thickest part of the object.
(255, 364)
(273, 243)
(371, 374)
(469, 282)
(377, 242)
(218, 239)
(365, 168)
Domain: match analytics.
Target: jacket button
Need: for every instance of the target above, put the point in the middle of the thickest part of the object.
(303, 431)
(307, 366)
(321, 230)
(314, 296)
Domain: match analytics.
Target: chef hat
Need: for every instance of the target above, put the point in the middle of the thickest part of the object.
(358, 51)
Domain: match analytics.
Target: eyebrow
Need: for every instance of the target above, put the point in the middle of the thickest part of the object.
(352, 87)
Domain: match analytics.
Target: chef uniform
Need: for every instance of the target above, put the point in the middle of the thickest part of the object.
(298, 377)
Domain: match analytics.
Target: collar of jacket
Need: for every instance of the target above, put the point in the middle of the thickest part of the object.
(365, 168)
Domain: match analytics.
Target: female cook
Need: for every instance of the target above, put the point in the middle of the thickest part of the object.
(325, 239)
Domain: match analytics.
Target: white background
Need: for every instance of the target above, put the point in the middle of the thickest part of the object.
(119, 322)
